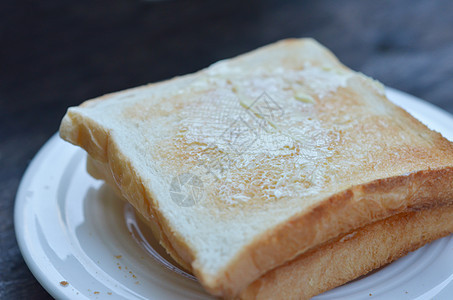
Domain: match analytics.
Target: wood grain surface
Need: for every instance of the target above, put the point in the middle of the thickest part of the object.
(54, 54)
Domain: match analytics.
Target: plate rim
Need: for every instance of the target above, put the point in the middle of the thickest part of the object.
(19, 204)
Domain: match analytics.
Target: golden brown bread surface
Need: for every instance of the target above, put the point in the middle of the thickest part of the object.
(353, 255)
(324, 153)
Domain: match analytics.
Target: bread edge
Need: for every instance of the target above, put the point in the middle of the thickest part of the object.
(352, 255)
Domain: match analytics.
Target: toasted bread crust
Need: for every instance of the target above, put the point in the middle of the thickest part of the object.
(417, 227)
(387, 240)
(350, 256)
(342, 212)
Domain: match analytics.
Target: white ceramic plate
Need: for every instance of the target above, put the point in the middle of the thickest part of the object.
(72, 228)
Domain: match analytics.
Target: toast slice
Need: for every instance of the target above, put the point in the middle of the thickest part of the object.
(337, 261)
(352, 255)
(257, 159)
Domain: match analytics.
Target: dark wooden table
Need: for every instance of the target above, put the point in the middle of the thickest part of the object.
(54, 54)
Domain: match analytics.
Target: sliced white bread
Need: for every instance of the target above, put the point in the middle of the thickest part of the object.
(280, 150)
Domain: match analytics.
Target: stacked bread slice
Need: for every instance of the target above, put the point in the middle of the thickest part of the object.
(276, 174)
